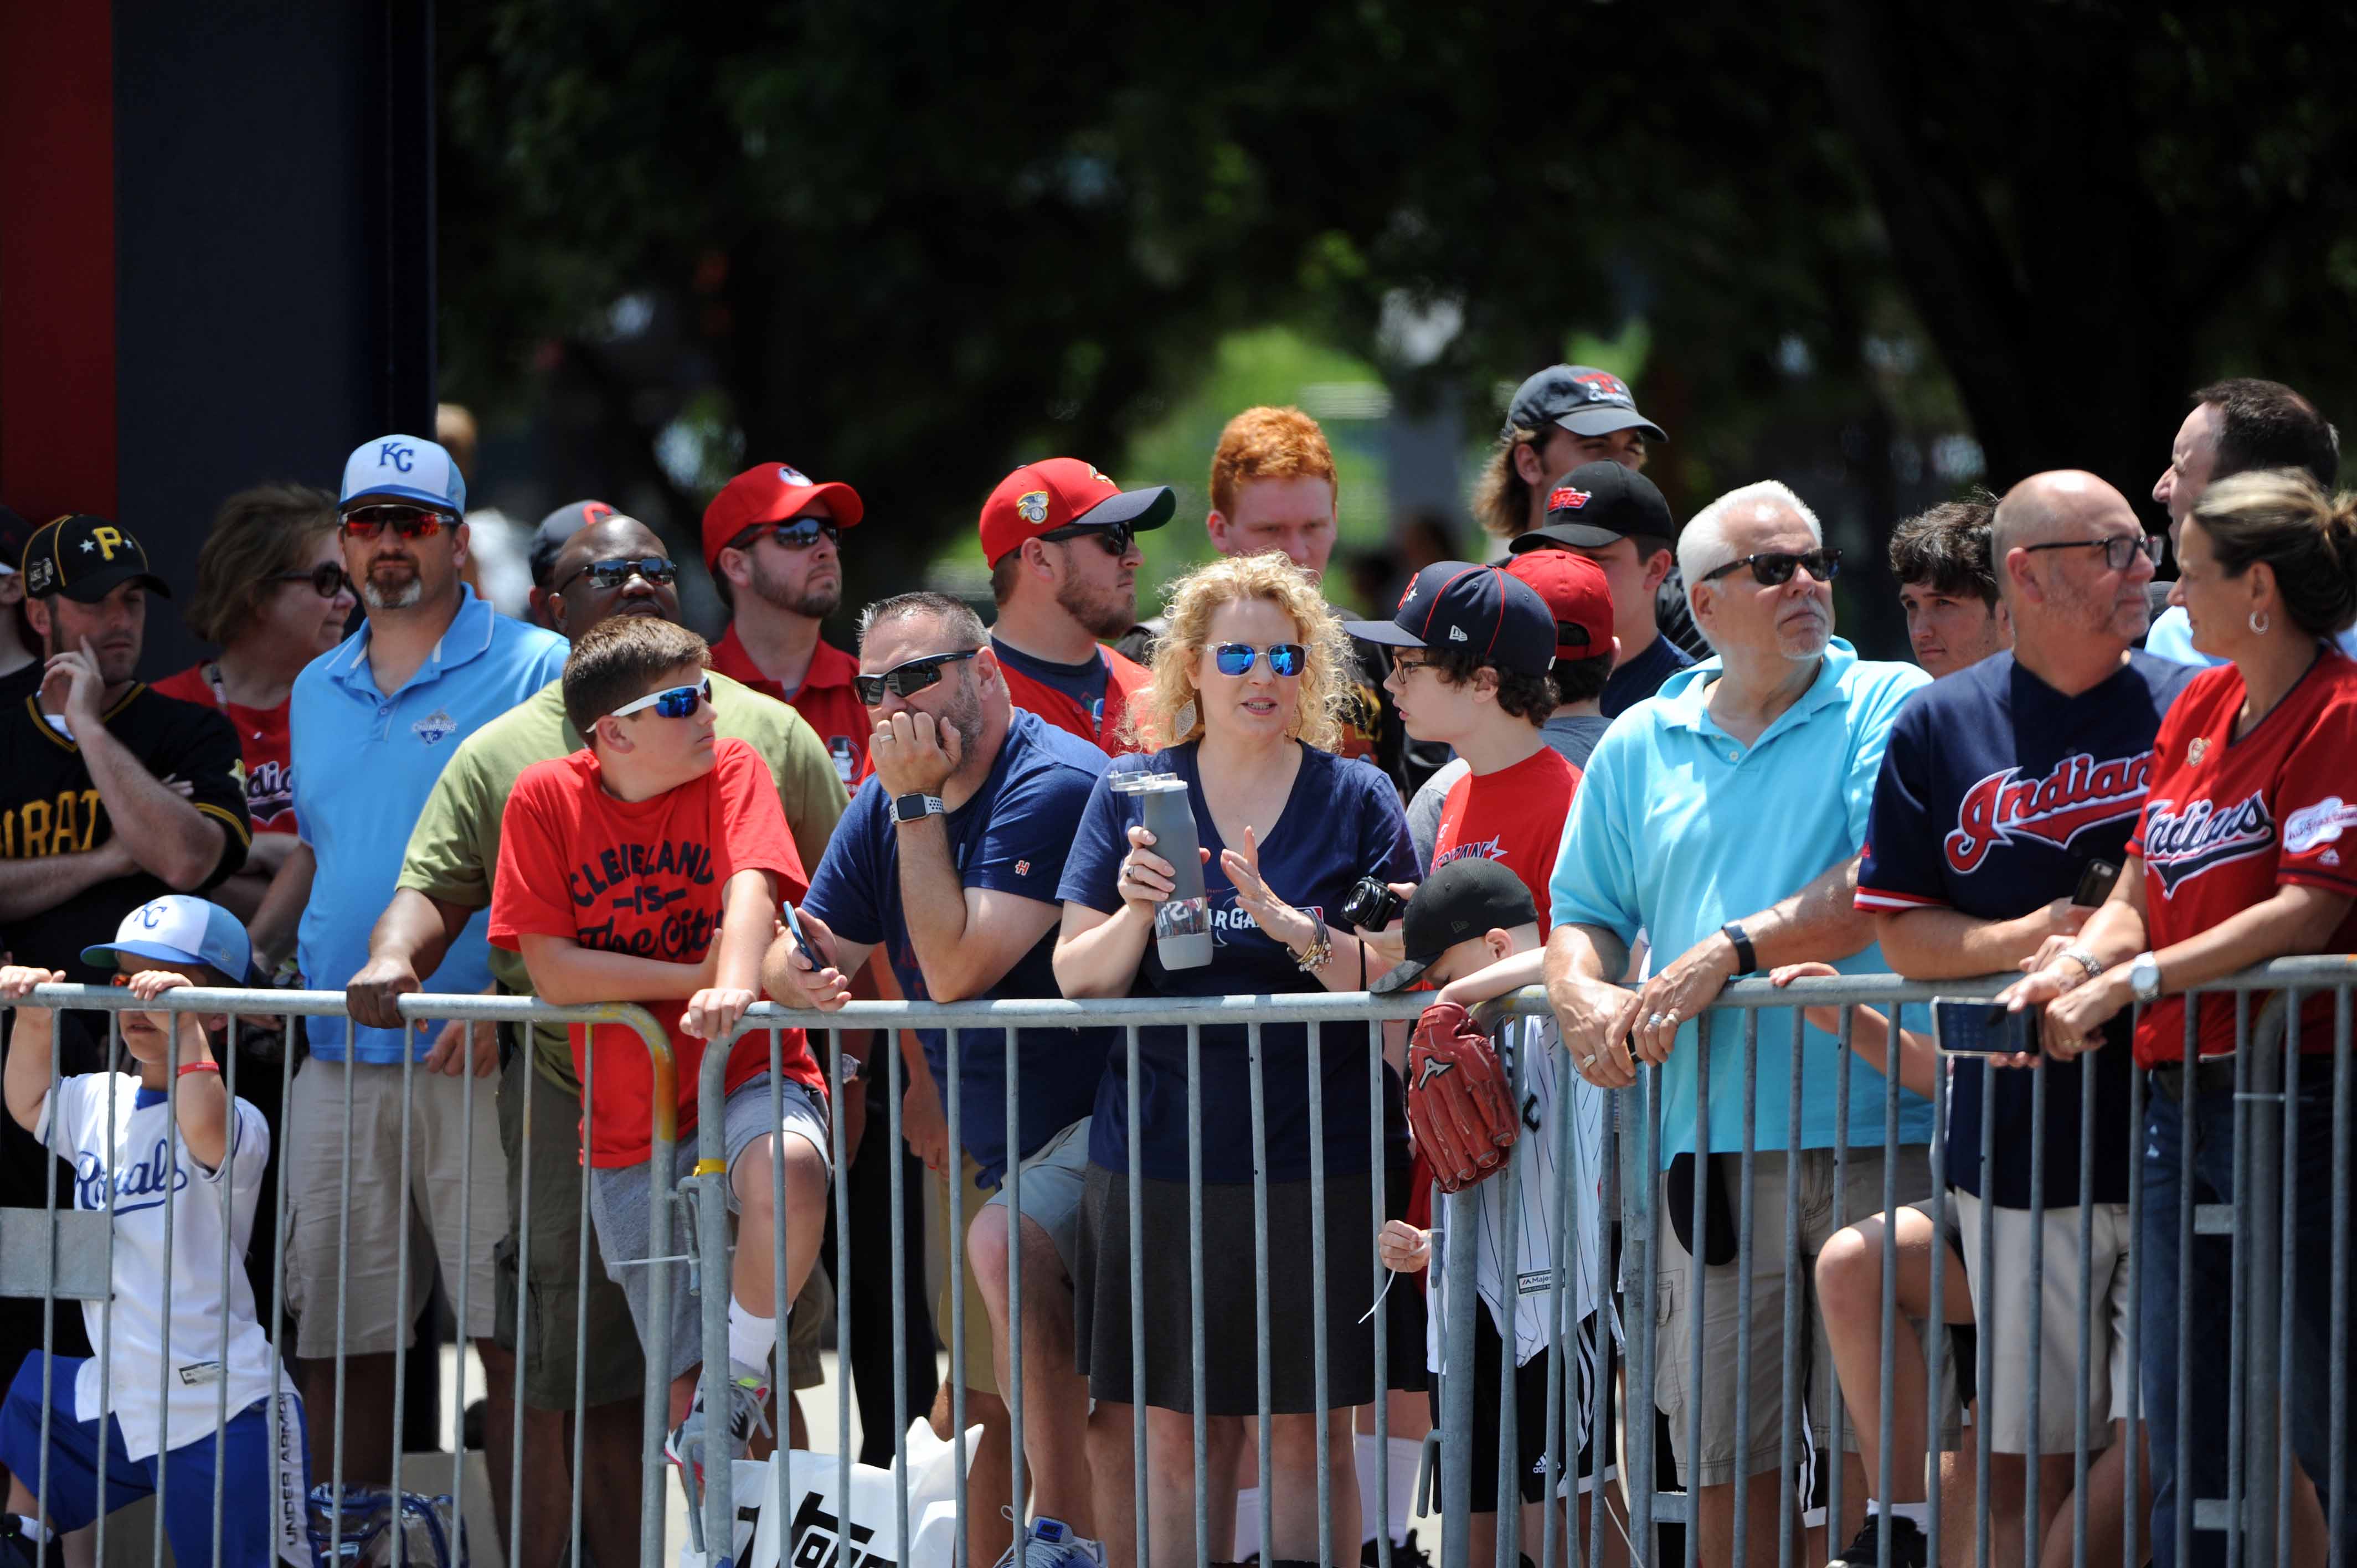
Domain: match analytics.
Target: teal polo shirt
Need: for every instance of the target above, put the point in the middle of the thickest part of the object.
(1678, 827)
(372, 761)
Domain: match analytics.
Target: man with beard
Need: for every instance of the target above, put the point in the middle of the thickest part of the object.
(770, 538)
(1061, 539)
(371, 726)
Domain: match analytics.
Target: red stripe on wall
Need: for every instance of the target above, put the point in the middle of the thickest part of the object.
(57, 259)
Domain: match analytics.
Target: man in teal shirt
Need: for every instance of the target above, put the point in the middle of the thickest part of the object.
(1722, 819)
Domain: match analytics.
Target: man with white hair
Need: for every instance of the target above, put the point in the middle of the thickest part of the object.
(1724, 817)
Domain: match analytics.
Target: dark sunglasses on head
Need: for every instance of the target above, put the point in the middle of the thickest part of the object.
(2119, 549)
(906, 679)
(409, 521)
(1238, 658)
(1772, 568)
(1116, 537)
(672, 702)
(326, 579)
(796, 533)
(612, 574)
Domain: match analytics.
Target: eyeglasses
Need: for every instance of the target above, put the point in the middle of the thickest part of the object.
(1116, 537)
(1405, 667)
(1772, 568)
(409, 521)
(609, 575)
(794, 533)
(1238, 658)
(2119, 549)
(672, 702)
(906, 679)
(326, 579)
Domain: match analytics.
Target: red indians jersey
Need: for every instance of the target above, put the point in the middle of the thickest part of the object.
(1125, 679)
(825, 701)
(2231, 821)
(1514, 816)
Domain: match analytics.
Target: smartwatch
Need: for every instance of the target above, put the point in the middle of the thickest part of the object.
(2144, 977)
(916, 808)
(1745, 960)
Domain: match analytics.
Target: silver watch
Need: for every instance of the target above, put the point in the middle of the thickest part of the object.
(2085, 960)
(2144, 977)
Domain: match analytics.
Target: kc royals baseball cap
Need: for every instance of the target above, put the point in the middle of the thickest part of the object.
(771, 492)
(180, 928)
(1596, 505)
(406, 468)
(1576, 594)
(1460, 900)
(555, 529)
(1457, 604)
(1064, 492)
(1580, 398)
(85, 558)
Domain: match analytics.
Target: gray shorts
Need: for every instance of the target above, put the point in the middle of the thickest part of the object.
(621, 1200)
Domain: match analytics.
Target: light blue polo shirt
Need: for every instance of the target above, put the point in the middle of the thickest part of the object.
(2171, 637)
(1678, 827)
(371, 761)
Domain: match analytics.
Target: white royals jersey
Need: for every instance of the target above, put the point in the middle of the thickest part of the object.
(144, 1166)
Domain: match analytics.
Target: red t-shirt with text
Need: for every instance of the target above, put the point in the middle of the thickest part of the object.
(825, 701)
(1514, 816)
(643, 877)
(2227, 822)
(261, 747)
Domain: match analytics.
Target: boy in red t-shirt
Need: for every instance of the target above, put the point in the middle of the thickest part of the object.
(645, 868)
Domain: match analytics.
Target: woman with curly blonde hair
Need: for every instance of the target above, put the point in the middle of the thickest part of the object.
(1248, 684)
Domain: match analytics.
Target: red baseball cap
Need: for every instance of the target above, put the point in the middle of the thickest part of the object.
(1063, 492)
(1576, 594)
(770, 492)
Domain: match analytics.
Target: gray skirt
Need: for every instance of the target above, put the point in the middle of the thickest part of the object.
(1232, 1305)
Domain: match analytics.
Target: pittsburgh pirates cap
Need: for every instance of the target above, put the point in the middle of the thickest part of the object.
(85, 558)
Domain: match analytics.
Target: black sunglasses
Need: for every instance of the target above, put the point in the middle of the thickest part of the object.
(1116, 537)
(906, 680)
(2119, 549)
(1772, 568)
(409, 521)
(326, 579)
(609, 575)
(794, 533)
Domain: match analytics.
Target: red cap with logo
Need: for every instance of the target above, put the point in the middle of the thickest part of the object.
(770, 492)
(1063, 492)
(1577, 594)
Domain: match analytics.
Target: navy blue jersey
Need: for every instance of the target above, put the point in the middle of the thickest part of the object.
(1996, 793)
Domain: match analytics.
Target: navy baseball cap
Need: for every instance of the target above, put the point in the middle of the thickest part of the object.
(1580, 398)
(1457, 604)
(1465, 898)
(555, 529)
(1596, 504)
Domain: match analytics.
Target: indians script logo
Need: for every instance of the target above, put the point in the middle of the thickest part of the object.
(1564, 498)
(2081, 793)
(1604, 388)
(2182, 844)
(1487, 849)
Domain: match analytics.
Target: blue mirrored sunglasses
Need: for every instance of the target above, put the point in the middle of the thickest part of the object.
(1238, 658)
(672, 702)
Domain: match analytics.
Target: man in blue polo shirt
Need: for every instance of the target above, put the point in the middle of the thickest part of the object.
(949, 858)
(374, 721)
(1723, 818)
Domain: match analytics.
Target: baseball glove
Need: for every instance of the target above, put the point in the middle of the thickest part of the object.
(1460, 1105)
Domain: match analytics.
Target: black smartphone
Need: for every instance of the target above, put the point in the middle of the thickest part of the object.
(2095, 884)
(1961, 1027)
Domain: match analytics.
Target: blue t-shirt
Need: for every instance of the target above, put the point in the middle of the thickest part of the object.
(1996, 791)
(1642, 676)
(1009, 838)
(2171, 638)
(1342, 822)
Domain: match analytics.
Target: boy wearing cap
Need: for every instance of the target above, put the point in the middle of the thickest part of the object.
(176, 1164)
(1061, 539)
(770, 538)
(1616, 518)
(1474, 930)
(1560, 418)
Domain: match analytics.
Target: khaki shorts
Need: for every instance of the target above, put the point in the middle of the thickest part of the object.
(1676, 1321)
(458, 1229)
(1053, 1180)
(2005, 1323)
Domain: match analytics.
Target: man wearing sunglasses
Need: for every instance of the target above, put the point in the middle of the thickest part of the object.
(372, 724)
(770, 538)
(1724, 817)
(1061, 539)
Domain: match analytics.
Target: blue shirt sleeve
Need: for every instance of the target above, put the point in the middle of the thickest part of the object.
(1022, 847)
(1903, 853)
(842, 890)
(2171, 638)
(1595, 880)
(1099, 841)
(1873, 712)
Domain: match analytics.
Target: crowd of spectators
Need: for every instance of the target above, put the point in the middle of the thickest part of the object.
(1649, 728)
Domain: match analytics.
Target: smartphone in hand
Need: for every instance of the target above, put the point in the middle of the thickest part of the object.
(1975, 1027)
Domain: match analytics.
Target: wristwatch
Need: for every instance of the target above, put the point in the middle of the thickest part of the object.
(1746, 960)
(2085, 960)
(917, 808)
(2144, 977)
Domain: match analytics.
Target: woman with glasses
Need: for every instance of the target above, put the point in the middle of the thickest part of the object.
(1247, 688)
(272, 595)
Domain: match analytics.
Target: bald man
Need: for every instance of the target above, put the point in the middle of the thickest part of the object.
(2000, 786)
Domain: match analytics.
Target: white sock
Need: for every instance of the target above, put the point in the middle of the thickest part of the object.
(1404, 1460)
(1248, 1542)
(34, 1528)
(750, 1339)
(1365, 1451)
(1917, 1514)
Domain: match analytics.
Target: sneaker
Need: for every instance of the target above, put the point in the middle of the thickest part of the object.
(1907, 1547)
(1051, 1543)
(1404, 1555)
(689, 1445)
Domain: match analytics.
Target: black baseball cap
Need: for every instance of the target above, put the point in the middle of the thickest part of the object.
(1580, 398)
(555, 529)
(1461, 900)
(85, 558)
(1455, 604)
(1596, 504)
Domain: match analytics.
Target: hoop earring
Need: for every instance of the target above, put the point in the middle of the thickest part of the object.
(2260, 621)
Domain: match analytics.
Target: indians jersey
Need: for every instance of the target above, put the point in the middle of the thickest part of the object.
(1996, 791)
(1514, 816)
(2231, 821)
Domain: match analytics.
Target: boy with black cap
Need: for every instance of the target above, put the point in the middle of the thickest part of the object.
(177, 1166)
(1618, 519)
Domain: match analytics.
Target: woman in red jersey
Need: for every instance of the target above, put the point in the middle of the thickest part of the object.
(2246, 852)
